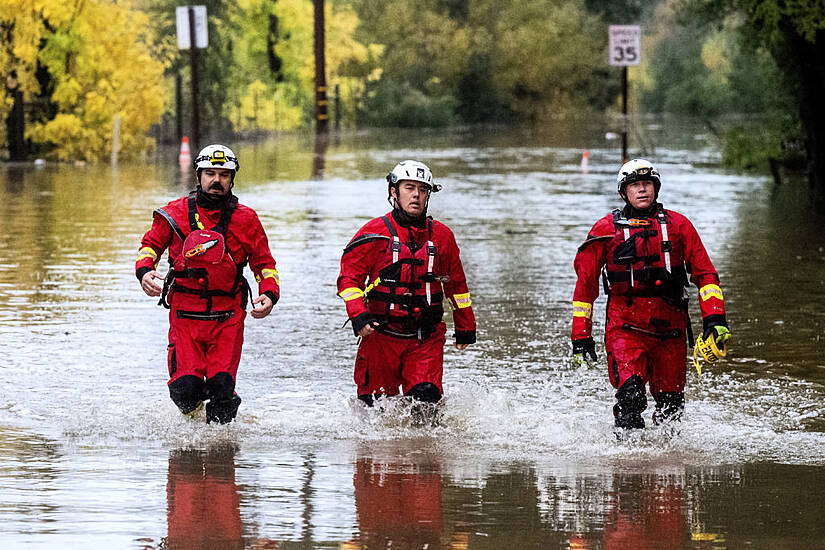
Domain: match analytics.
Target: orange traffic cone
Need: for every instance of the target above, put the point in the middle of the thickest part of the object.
(185, 157)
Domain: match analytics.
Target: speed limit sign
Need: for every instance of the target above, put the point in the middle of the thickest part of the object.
(625, 45)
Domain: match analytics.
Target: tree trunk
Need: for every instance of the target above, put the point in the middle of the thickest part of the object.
(15, 127)
(808, 73)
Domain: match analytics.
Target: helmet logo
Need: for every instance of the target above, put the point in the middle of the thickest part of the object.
(419, 172)
(643, 171)
(393, 178)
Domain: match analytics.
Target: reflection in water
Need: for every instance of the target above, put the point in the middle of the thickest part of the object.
(398, 505)
(645, 512)
(319, 156)
(203, 500)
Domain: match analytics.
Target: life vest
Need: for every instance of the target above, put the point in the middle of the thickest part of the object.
(407, 295)
(204, 272)
(642, 260)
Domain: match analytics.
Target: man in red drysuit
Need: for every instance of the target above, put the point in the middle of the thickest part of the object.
(210, 237)
(395, 273)
(644, 254)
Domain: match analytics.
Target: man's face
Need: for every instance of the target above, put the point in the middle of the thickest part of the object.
(640, 194)
(412, 196)
(216, 181)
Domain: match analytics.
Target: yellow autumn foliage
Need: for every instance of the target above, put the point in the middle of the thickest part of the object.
(288, 104)
(99, 57)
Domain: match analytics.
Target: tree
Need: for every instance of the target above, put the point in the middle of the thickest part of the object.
(100, 64)
(794, 34)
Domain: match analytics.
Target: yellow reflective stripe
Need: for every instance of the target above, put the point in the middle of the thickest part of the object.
(146, 252)
(710, 291)
(351, 293)
(267, 273)
(582, 309)
(462, 300)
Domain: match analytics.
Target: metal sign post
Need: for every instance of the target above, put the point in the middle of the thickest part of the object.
(624, 49)
(191, 22)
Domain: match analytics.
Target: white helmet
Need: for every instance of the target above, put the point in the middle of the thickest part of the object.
(216, 156)
(412, 170)
(638, 170)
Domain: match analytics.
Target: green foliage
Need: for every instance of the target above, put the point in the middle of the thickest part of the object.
(528, 60)
(402, 106)
(751, 148)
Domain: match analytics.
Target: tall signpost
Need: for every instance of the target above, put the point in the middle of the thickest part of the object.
(624, 49)
(191, 22)
(321, 117)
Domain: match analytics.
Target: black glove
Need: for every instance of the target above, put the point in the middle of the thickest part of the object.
(585, 346)
(710, 323)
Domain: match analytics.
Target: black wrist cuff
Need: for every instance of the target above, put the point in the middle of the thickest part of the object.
(271, 295)
(582, 345)
(714, 320)
(361, 321)
(141, 271)
(465, 337)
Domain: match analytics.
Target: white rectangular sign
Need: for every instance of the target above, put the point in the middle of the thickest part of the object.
(182, 20)
(625, 45)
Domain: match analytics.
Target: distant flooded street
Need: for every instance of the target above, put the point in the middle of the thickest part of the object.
(94, 453)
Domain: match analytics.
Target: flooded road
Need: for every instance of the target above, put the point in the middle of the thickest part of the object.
(94, 453)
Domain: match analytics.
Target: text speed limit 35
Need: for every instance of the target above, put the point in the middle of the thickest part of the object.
(625, 45)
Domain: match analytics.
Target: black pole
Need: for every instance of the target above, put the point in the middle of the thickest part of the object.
(321, 117)
(193, 63)
(337, 107)
(624, 115)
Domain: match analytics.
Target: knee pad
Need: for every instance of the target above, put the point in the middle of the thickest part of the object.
(187, 392)
(630, 402)
(220, 387)
(426, 392)
(669, 406)
(223, 411)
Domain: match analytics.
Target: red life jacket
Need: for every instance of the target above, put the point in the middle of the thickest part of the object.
(642, 260)
(407, 296)
(204, 273)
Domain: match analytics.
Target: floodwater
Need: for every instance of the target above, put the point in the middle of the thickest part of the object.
(93, 453)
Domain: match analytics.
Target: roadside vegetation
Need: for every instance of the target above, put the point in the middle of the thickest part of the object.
(72, 67)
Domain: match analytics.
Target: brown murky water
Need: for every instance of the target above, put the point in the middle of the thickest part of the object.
(95, 455)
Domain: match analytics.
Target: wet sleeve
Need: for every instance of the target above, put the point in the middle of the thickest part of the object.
(152, 245)
(458, 294)
(702, 272)
(261, 261)
(356, 264)
(588, 264)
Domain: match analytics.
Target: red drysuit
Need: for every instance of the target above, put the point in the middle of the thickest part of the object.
(645, 263)
(208, 296)
(398, 276)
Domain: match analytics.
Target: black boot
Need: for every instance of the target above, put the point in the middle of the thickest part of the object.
(187, 392)
(669, 407)
(223, 401)
(630, 402)
(424, 411)
(223, 411)
(426, 392)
